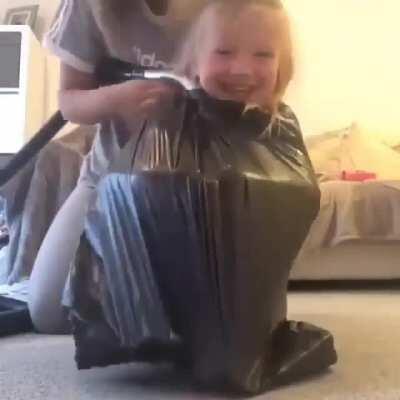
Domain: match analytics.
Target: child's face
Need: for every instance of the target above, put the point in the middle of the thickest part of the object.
(239, 59)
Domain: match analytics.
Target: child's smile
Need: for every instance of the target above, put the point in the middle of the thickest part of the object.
(236, 91)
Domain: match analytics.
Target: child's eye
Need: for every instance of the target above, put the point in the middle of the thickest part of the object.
(224, 52)
(264, 54)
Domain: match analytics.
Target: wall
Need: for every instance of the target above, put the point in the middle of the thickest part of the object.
(47, 8)
(348, 64)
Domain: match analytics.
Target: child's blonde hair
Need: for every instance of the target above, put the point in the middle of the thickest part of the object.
(186, 59)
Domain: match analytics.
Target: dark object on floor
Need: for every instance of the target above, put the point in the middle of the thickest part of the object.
(195, 232)
(14, 317)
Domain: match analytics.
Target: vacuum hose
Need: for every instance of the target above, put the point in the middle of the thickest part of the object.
(30, 149)
(109, 71)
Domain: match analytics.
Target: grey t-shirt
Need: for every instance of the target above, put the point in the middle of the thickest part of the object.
(81, 36)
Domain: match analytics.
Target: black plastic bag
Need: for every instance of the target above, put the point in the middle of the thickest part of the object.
(14, 317)
(187, 254)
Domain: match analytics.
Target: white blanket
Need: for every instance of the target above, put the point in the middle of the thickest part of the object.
(17, 291)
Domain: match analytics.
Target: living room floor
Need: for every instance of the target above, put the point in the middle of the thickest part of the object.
(365, 324)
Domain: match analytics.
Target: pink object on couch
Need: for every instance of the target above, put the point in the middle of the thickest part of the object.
(357, 175)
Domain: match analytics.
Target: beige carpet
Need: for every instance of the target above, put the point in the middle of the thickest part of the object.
(366, 326)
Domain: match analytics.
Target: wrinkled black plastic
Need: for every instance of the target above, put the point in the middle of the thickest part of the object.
(14, 317)
(187, 254)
